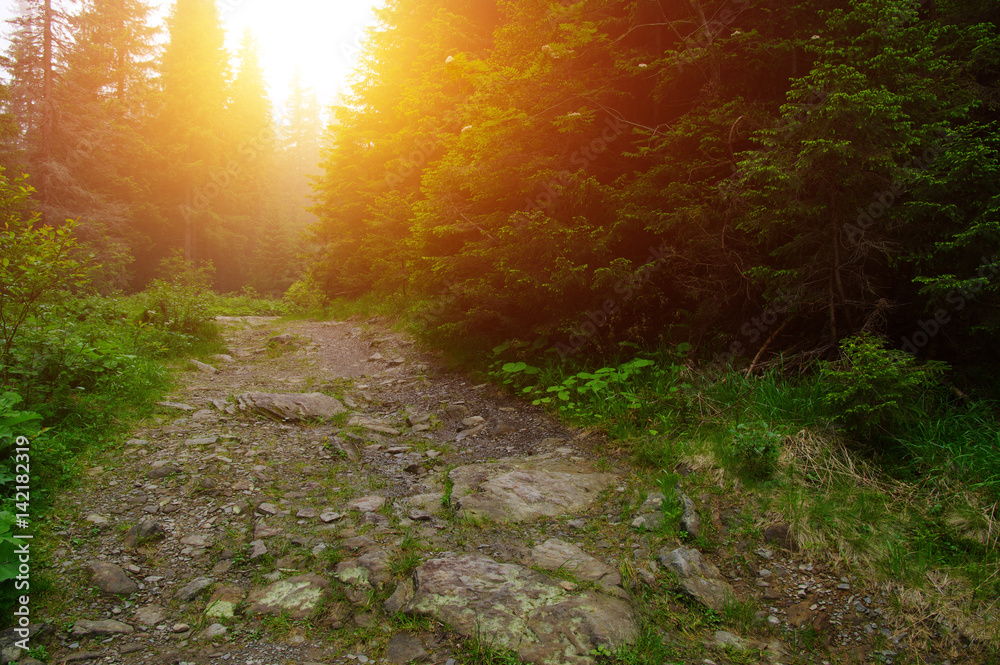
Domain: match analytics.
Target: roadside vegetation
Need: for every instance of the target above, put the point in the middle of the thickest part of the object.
(80, 369)
(876, 461)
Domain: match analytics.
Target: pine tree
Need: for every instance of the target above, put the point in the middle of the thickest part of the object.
(191, 130)
(35, 62)
(301, 129)
(248, 209)
(828, 190)
(102, 100)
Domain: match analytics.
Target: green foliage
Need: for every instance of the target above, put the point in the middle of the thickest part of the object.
(648, 648)
(37, 266)
(871, 388)
(181, 302)
(672, 506)
(958, 441)
(850, 177)
(482, 650)
(637, 396)
(304, 295)
(753, 450)
(250, 303)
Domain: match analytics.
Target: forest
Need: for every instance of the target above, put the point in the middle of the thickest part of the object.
(791, 202)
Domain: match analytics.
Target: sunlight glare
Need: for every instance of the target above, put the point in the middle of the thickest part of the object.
(319, 37)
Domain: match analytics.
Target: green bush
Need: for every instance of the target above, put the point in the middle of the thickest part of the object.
(754, 450)
(181, 302)
(37, 267)
(872, 389)
(640, 396)
(306, 295)
(250, 303)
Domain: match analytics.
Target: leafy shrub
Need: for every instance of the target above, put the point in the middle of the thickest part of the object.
(181, 301)
(639, 395)
(754, 450)
(306, 295)
(872, 388)
(250, 303)
(36, 265)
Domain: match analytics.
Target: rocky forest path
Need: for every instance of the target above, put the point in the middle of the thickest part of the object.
(326, 494)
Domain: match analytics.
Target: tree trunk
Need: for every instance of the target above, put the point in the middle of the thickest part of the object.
(48, 114)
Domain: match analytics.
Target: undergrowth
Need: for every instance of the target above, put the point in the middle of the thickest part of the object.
(80, 370)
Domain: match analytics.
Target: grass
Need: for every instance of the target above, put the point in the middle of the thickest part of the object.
(407, 558)
(481, 649)
(250, 303)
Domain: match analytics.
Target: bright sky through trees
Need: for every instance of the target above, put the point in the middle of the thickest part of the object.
(321, 37)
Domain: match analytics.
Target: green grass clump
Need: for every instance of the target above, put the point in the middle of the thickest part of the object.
(483, 650)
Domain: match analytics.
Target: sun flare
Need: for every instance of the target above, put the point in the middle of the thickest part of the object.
(319, 38)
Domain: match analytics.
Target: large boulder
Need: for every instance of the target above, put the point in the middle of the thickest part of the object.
(291, 407)
(520, 609)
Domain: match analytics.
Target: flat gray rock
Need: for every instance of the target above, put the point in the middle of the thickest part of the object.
(163, 472)
(111, 579)
(404, 649)
(212, 632)
(690, 521)
(502, 493)
(520, 609)
(298, 596)
(373, 425)
(193, 588)
(698, 578)
(558, 555)
(150, 615)
(259, 549)
(726, 640)
(203, 367)
(291, 407)
(176, 405)
(197, 540)
(143, 532)
(366, 504)
(223, 603)
(85, 628)
(370, 569)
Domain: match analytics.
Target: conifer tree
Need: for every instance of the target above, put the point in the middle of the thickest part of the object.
(35, 62)
(102, 101)
(191, 130)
